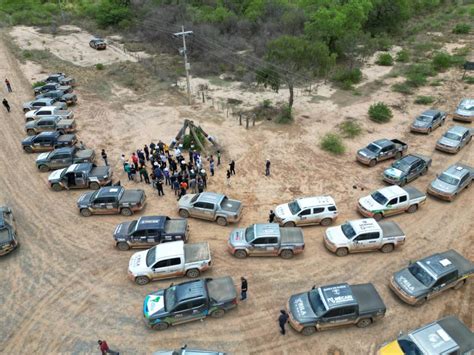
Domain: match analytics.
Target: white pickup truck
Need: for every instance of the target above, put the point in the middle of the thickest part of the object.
(48, 111)
(391, 200)
(363, 235)
(168, 260)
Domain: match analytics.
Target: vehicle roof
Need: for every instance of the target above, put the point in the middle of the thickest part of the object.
(392, 191)
(460, 333)
(49, 134)
(56, 74)
(365, 225)
(433, 339)
(267, 229)
(410, 159)
(47, 107)
(79, 167)
(335, 296)
(190, 290)
(165, 250)
(211, 197)
(439, 264)
(459, 130)
(458, 170)
(3, 209)
(63, 150)
(382, 142)
(151, 222)
(430, 113)
(109, 191)
(305, 202)
(44, 99)
(44, 118)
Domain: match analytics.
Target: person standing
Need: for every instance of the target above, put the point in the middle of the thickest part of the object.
(135, 160)
(104, 156)
(211, 167)
(271, 216)
(282, 320)
(232, 167)
(6, 104)
(9, 86)
(147, 152)
(128, 170)
(200, 185)
(218, 157)
(243, 288)
(144, 174)
(267, 168)
(81, 145)
(159, 187)
(104, 348)
(228, 178)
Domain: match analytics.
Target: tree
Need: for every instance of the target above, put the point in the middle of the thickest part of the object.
(291, 59)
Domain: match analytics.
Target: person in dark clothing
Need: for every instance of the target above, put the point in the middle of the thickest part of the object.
(228, 177)
(200, 185)
(267, 168)
(218, 157)
(232, 167)
(211, 167)
(147, 152)
(144, 175)
(104, 156)
(191, 154)
(104, 348)
(159, 187)
(133, 172)
(243, 289)
(271, 216)
(176, 187)
(152, 147)
(282, 320)
(6, 104)
(9, 86)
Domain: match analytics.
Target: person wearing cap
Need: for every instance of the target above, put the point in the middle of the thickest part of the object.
(203, 175)
(267, 168)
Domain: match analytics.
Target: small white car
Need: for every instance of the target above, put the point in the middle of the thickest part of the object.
(307, 210)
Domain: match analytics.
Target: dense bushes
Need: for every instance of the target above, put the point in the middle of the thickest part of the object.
(332, 143)
(346, 77)
(384, 59)
(462, 28)
(424, 100)
(380, 113)
(350, 128)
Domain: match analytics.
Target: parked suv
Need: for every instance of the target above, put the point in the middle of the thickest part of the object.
(307, 210)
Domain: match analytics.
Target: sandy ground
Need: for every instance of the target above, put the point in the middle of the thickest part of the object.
(73, 46)
(67, 286)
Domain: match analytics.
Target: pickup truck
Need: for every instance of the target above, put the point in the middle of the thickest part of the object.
(428, 121)
(48, 111)
(63, 157)
(69, 99)
(52, 86)
(168, 260)
(445, 336)
(111, 200)
(335, 306)
(266, 239)
(149, 231)
(80, 176)
(43, 102)
(211, 206)
(363, 235)
(465, 111)
(48, 141)
(381, 149)
(454, 139)
(50, 123)
(8, 241)
(407, 169)
(189, 301)
(60, 78)
(98, 43)
(428, 277)
(452, 181)
(391, 200)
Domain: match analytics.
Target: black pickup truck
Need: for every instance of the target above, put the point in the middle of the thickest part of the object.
(64, 157)
(68, 98)
(46, 141)
(335, 306)
(149, 231)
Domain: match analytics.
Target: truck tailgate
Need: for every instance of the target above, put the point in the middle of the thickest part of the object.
(176, 226)
(464, 265)
(391, 229)
(291, 236)
(196, 252)
(413, 193)
(221, 289)
(368, 298)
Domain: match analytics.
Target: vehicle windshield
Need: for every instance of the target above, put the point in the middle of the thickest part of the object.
(373, 148)
(316, 304)
(294, 207)
(420, 274)
(466, 107)
(4, 235)
(348, 231)
(170, 298)
(194, 198)
(424, 118)
(132, 226)
(379, 198)
(448, 179)
(249, 234)
(401, 165)
(409, 347)
(452, 136)
(150, 257)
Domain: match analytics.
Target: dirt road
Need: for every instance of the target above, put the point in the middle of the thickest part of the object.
(67, 286)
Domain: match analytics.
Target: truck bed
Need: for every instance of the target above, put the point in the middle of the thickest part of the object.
(400, 144)
(413, 193)
(176, 226)
(84, 153)
(368, 298)
(423, 157)
(230, 205)
(132, 196)
(221, 289)
(196, 252)
(291, 236)
(464, 265)
(391, 229)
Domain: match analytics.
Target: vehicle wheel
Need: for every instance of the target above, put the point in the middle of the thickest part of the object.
(429, 130)
(126, 211)
(326, 222)
(403, 182)
(342, 251)
(240, 254)
(30, 132)
(29, 119)
(160, 326)
(412, 209)
(308, 331)
(28, 149)
(56, 187)
(94, 185)
(378, 216)
(123, 246)
(364, 322)
(423, 172)
(193, 273)
(458, 149)
(286, 254)
(398, 155)
(372, 162)
(43, 168)
(387, 248)
(289, 224)
(183, 213)
(25, 110)
(218, 313)
(141, 280)
(459, 284)
(221, 221)
(85, 212)
(421, 302)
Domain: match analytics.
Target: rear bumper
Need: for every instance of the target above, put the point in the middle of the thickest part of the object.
(401, 294)
(439, 194)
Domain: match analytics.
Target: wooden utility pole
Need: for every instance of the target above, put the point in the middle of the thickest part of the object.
(187, 66)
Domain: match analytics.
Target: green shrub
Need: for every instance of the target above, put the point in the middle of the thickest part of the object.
(350, 129)
(384, 59)
(469, 79)
(437, 82)
(333, 143)
(403, 56)
(402, 88)
(462, 28)
(417, 74)
(424, 100)
(266, 103)
(380, 113)
(38, 83)
(99, 66)
(441, 61)
(111, 13)
(285, 116)
(347, 77)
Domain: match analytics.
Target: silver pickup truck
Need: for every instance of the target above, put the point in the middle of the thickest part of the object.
(49, 111)
(211, 206)
(266, 239)
(363, 235)
(381, 149)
